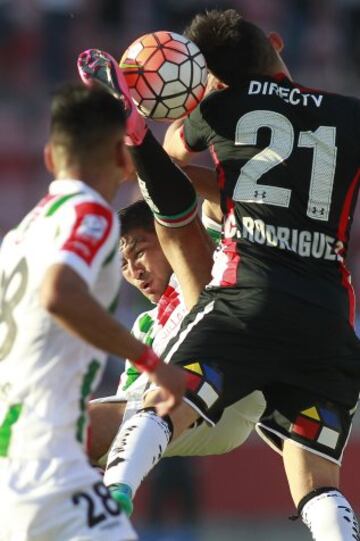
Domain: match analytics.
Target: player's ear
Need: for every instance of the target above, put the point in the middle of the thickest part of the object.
(124, 161)
(213, 83)
(48, 158)
(276, 41)
(120, 153)
(129, 168)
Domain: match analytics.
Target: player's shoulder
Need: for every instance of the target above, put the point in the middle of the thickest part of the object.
(78, 205)
(341, 110)
(206, 112)
(65, 194)
(323, 99)
(212, 99)
(344, 103)
(218, 106)
(93, 207)
(331, 95)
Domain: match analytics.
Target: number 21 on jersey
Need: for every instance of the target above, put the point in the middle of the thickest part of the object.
(281, 146)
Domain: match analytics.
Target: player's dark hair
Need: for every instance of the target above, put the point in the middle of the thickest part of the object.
(82, 119)
(234, 49)
(135, 216)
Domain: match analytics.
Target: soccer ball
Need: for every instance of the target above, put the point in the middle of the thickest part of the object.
(166, 74)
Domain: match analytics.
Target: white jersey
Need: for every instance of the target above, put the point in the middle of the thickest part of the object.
(46, 374)
(156, 327)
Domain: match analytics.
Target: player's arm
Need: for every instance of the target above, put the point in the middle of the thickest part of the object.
(193, 269)
(65, 295)
(173, 200)
(174, 143)
(204, 181)
(212, 212)
(189, 251)
(168, 191)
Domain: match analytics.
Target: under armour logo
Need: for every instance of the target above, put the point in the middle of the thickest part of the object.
(316, 210)
(259, 195)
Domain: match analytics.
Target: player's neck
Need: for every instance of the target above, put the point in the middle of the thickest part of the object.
(280, 67)
(103, 183)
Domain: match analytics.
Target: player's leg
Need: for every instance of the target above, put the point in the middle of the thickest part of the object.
(98, 67)
(105, 419)
(306, 471)
(233, 429)
(310, 405)
(154, 167)
(127, 463)
(314, 485)
(312, 433)
(206, 346)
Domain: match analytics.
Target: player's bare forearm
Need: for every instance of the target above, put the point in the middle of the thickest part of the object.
(212, 210)
(174, 144)
(204, 181)
(66, 297)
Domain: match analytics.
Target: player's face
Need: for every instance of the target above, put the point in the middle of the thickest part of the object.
(144, 264)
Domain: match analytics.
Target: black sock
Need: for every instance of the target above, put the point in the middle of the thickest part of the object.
(164, 186)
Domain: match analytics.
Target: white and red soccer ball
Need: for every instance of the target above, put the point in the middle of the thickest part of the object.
(166, 74)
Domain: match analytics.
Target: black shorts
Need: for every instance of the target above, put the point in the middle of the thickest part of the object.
(305, 359)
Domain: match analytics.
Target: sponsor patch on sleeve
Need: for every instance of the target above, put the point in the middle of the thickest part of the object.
(91, 228)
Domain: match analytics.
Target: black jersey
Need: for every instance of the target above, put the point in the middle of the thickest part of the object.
(288, 163)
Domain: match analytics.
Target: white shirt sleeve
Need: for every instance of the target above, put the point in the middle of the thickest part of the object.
(89, 234)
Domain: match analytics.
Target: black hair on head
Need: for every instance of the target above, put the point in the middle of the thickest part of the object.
(234, 48)
(82, 119)
(136, 216)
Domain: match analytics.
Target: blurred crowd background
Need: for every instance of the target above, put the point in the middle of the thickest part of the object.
(39, 44)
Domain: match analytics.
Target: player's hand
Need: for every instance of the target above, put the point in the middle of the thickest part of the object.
(171, 381)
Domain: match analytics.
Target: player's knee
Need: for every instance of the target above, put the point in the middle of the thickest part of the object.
(105, 419)
(181, 418)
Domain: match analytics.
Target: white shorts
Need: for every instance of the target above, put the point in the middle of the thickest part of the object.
(40, 502)
(231, 431)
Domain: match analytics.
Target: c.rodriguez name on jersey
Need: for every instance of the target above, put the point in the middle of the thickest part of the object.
(304, 243)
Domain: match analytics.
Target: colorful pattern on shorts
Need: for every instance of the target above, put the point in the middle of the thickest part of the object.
(322, 428)
(204, 381)
(319, 424)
